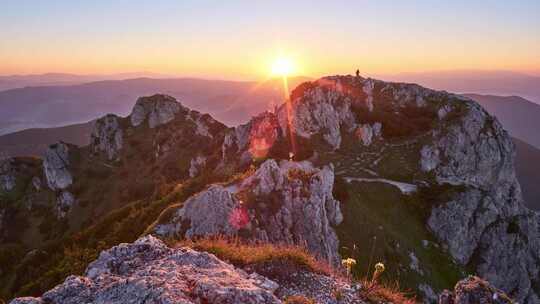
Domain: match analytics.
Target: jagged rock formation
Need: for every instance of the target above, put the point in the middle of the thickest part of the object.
(318, 111)
(455, 160)
(148, 271)
(252, 140)
(56, 167)
(287, 203)
(484, 223)
(107, 136)
(487, 221)
(158, 109)
(474, 290)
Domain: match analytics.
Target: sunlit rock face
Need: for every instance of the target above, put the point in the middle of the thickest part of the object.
(147, 271)
(157, 109)
(289, 202)
(56, 167)
(317, 110)
(485, 224)
(252, 140)
(107, 136)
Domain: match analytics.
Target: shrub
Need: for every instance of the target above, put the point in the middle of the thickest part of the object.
(384, 293)
(409, 120)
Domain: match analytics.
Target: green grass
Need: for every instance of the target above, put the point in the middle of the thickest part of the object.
(384, 226)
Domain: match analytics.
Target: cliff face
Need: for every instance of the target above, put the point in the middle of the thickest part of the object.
(422, 180)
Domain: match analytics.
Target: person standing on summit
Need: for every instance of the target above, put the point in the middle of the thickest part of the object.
(357, 73)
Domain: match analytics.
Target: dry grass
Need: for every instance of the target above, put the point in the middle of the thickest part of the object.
(298, 300)
(243, 254)
(376, 292)
(299, 174)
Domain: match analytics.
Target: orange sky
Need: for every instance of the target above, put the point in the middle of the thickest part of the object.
(240, 39)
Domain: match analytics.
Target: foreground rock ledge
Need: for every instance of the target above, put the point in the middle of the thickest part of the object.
(148, 271)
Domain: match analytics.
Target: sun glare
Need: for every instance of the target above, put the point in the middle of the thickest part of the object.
(283, 67)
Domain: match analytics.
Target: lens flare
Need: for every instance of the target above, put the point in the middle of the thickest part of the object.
(283, 67)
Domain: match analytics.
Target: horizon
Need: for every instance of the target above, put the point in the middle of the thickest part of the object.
(206, 40)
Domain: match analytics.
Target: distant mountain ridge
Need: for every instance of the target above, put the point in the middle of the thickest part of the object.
(8, 82)
(232, 102)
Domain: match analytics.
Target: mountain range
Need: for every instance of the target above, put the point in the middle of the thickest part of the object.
(230, 102)
(420, 180)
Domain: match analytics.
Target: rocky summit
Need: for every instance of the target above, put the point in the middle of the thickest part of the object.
(420, 180)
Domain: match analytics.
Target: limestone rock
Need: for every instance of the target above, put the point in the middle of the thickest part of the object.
(64, 202)
(474, 290)
(56, 166)
(287, 203)
(487, 217)
(148, 271)
(107, 136)
(7, 175)
(196, 165)
(318, 111)
(253, 139)
(158, 109)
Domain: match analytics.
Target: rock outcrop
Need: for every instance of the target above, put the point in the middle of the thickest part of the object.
(107, 136)
(7, 175)
(288, 203)
(56, 167)
(316, 110)
(64, 202)
(486, 220)
(474, 290)
(157, 109)
(148, 271)
(482, 221)
(196, 165)
(252, 140)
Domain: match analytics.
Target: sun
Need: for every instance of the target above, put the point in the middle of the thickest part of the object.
(283, 67)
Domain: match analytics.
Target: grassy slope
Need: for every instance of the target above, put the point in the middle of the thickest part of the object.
(381, 224)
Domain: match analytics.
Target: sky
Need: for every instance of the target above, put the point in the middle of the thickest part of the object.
(241, 39)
